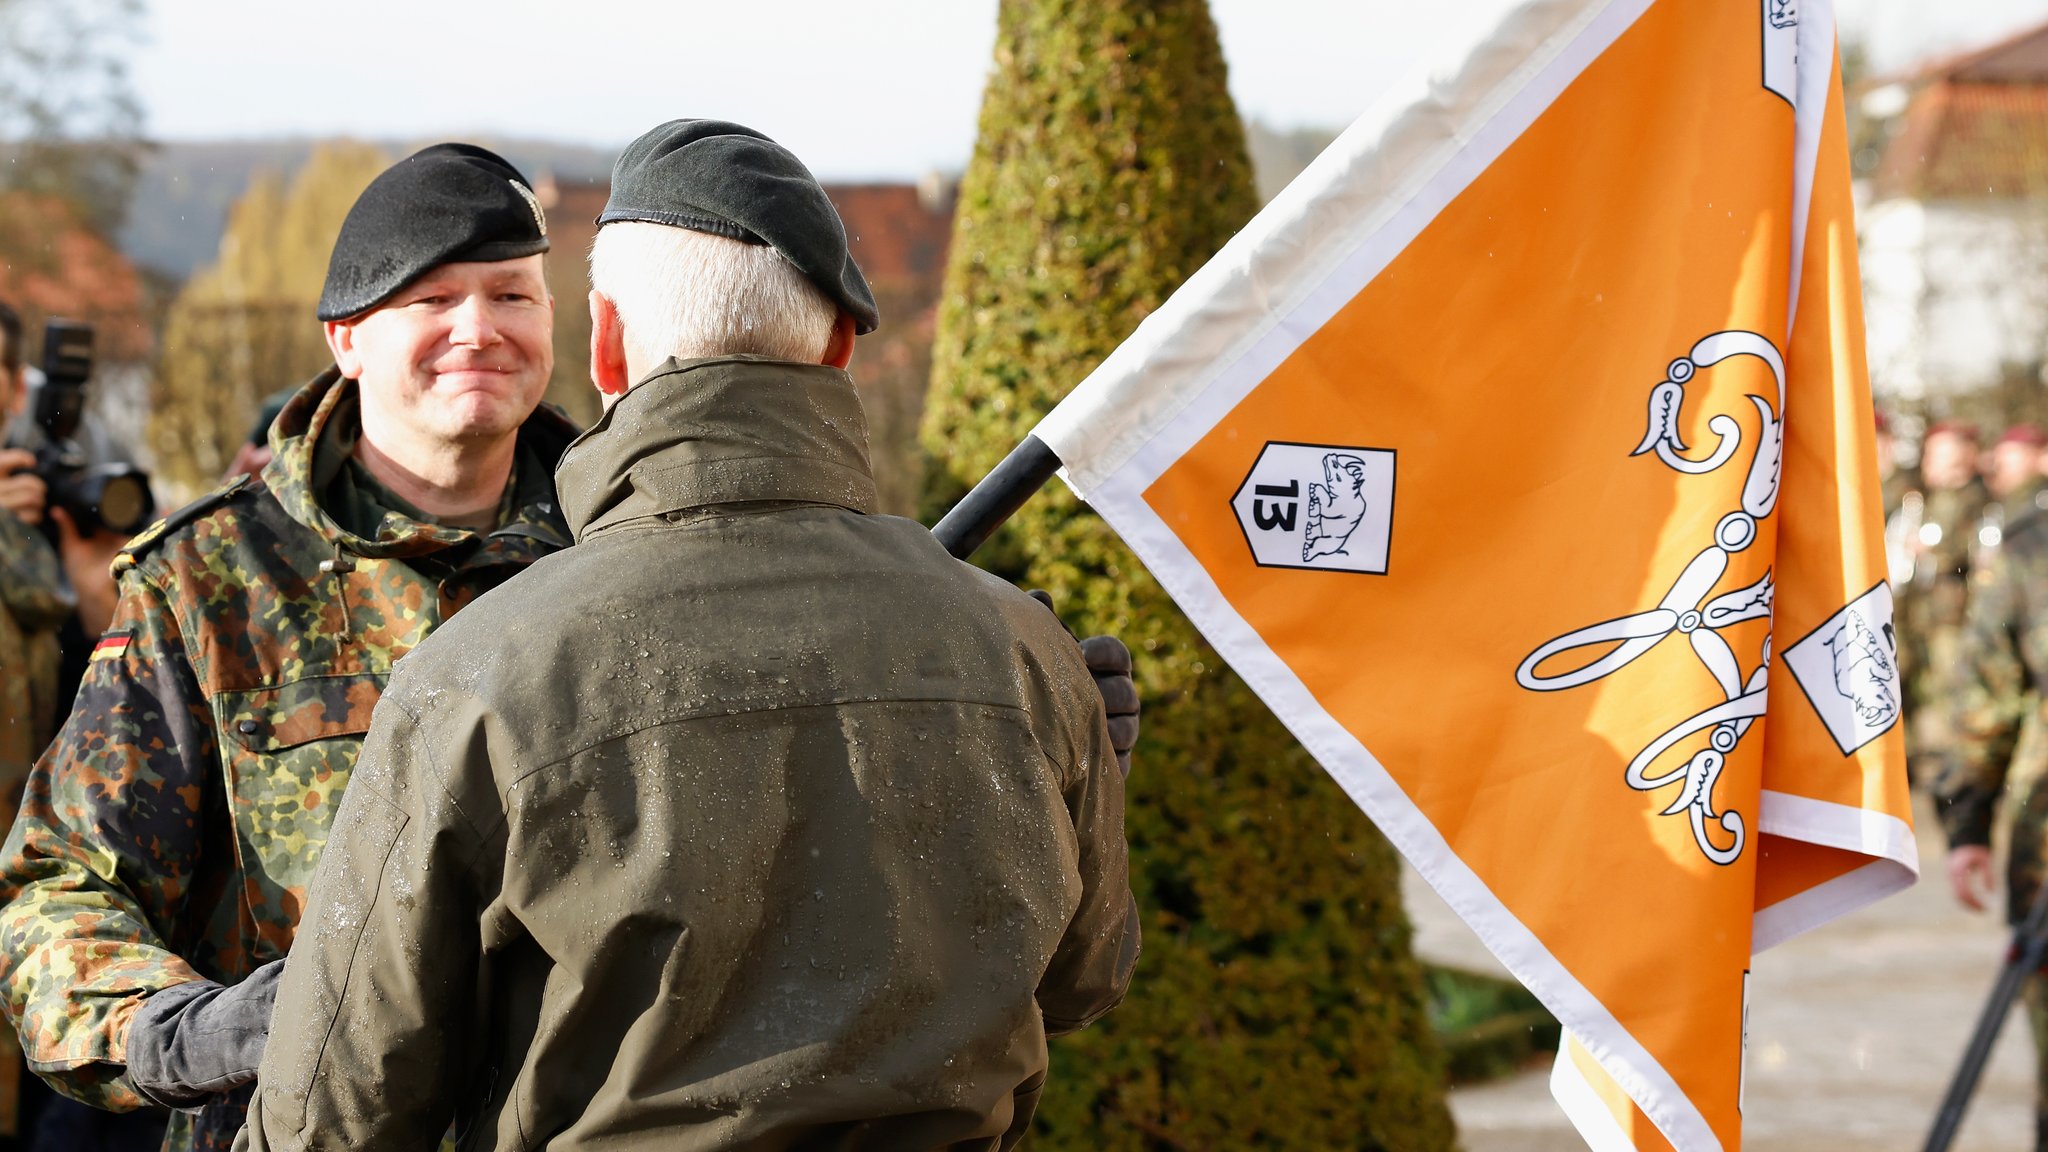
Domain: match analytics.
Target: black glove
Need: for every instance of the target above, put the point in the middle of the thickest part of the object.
(1110, 662)
(193, 1041)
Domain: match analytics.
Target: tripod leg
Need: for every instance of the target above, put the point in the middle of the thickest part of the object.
(2035, 995)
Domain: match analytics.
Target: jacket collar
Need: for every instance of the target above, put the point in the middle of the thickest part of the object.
(315, 435)
(729, 430)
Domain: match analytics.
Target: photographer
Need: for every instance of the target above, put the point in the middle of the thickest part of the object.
(34, 603)
(35, 599)
(52, 600)
(31, 461)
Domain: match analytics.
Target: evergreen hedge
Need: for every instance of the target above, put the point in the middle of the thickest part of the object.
(1278, 1004)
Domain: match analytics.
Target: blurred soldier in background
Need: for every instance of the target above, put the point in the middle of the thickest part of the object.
(34, 603)
(84, 557)
(2013, 473)
(2012, 476)
(1930, 609)
(153, 881)
(1997, 749)
(34, 597)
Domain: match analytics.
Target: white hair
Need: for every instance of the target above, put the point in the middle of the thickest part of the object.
(686, 294)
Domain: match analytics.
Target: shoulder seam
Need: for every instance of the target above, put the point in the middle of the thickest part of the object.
(157, 533)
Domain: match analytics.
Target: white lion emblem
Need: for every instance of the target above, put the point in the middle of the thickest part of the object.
(1335, 506)
(1864, 672)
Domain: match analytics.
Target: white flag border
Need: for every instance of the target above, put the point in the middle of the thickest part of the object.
(1280, 280)
(1583, 1105)
(1895, 862)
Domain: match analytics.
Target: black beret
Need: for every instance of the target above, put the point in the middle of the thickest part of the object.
(716, 177)
(447, 203)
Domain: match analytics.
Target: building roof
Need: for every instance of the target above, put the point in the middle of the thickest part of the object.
(53, 265)
(1969, 142)
(1976, 127)
(898, 232)
(2021, 58)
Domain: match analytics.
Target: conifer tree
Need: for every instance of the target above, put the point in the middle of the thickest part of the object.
(1277, 1003)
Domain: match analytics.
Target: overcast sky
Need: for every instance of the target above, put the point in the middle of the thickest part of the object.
(874, 88)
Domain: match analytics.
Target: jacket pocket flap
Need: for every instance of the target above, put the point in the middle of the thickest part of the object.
(315, 708)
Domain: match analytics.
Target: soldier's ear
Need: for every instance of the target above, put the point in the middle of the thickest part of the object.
(839, 349)
(608, 369)
(341, 340)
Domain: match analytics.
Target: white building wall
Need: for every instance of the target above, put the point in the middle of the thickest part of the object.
(1955, 292)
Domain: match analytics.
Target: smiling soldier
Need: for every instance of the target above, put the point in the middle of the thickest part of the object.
(155, 878)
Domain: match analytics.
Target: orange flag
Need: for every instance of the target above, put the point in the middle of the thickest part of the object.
(1520, 456)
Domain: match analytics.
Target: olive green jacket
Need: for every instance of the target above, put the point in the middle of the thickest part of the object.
(754, 820)
(169, 833)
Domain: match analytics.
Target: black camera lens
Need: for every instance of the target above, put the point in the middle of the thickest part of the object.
(120, 497)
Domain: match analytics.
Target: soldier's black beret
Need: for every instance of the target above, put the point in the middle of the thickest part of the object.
(440, 205)
(713, 176)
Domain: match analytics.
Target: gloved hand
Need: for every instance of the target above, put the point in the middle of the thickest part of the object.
(193, 1041)
(1110, 662)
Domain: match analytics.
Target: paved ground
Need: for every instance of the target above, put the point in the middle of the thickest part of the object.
(1854, 1032)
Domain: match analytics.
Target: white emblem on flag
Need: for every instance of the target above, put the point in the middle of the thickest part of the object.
(1318, 506)
(1687, 609)
(1849, 670)
(1781, 48)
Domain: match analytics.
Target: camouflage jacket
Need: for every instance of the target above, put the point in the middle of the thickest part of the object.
(1930, 615)
(170, 832)
(1998, 750)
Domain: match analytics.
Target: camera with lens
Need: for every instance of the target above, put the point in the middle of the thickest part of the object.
(111, 497)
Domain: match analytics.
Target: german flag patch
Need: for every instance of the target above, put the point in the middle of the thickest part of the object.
(112, 646)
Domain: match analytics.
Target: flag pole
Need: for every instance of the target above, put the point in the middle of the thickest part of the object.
(979, 513)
